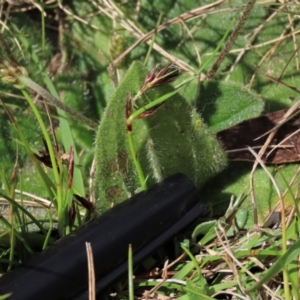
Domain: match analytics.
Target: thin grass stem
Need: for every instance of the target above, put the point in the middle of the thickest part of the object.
(45, 94)
(59, 193)
(136, 162)
(130, 273)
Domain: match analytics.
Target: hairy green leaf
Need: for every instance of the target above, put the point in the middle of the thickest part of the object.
(173, 139)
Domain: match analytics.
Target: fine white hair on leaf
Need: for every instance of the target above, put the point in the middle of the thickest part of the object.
(155, 153)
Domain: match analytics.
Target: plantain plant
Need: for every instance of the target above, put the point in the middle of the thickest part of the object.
(135, 152)
(149, 132)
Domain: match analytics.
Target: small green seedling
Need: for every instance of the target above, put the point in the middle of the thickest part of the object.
(149, 132)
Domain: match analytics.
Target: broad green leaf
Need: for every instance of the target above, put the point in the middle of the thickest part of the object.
(206, 229)
(173, 140)
(236, 180)
(224, 104)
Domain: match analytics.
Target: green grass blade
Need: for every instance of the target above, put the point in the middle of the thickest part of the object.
(279, 265)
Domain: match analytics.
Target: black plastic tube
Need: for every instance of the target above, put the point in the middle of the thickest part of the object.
(114, 274)
(60, 272)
